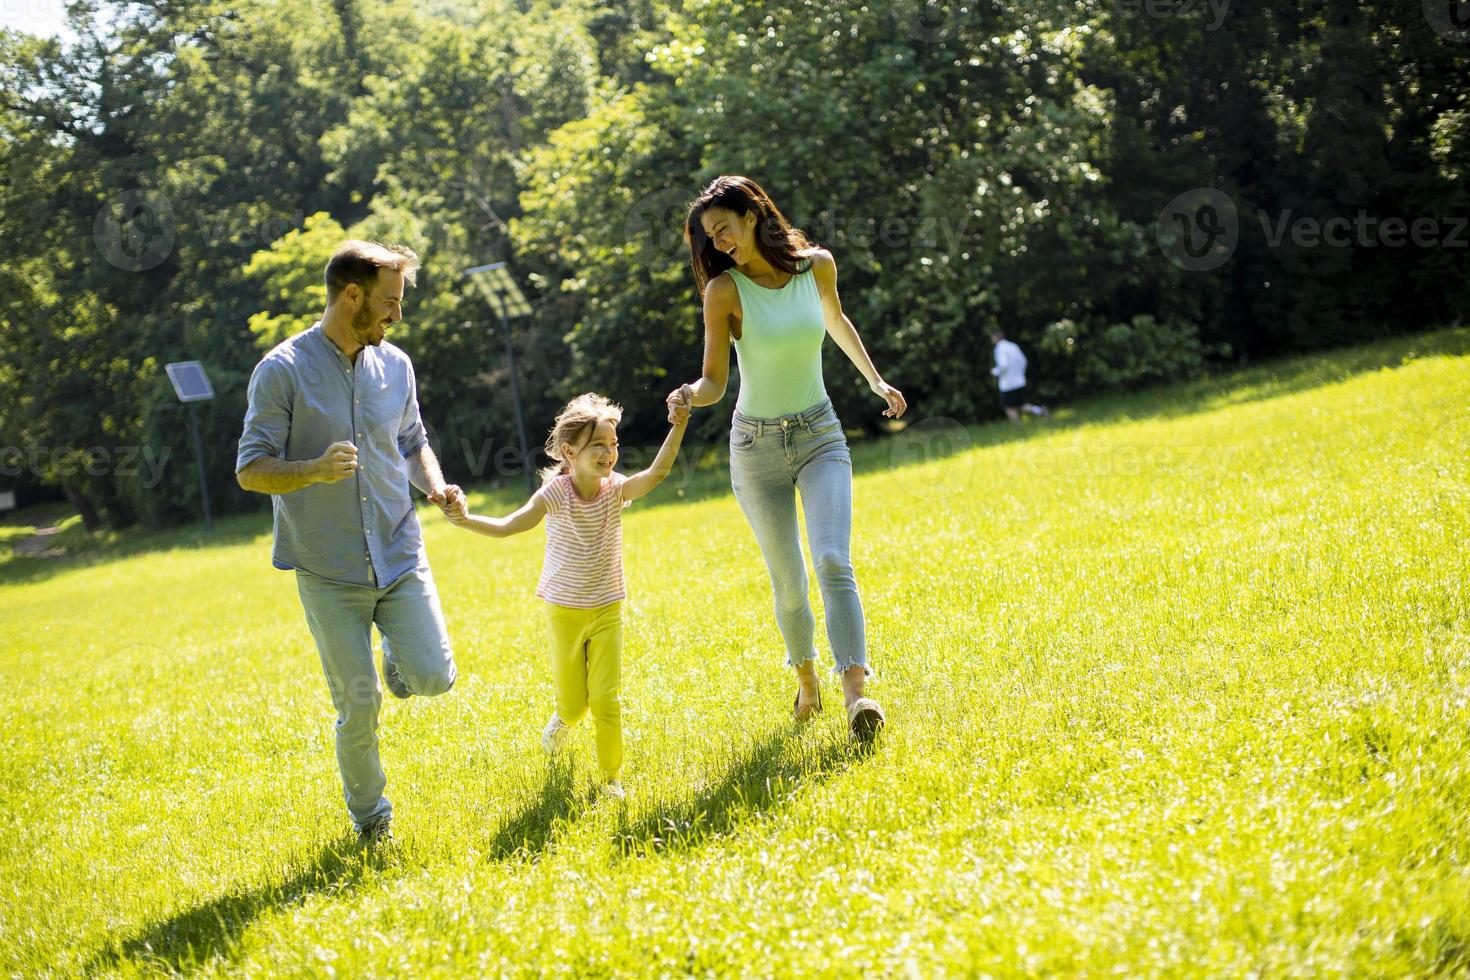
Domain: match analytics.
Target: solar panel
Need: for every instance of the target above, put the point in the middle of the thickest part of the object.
(190, 382)
(499, 288)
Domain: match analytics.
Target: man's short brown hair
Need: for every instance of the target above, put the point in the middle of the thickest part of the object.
(359, 261)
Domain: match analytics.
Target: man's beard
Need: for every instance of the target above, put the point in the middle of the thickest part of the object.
(362, 328)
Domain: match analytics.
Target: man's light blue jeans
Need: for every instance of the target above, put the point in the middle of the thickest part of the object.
(770, 461)
(341, 618)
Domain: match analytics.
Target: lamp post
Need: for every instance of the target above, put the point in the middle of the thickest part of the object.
(499, 288)
(192, 385)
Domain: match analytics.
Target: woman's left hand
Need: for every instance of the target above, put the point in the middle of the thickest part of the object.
(896, 403)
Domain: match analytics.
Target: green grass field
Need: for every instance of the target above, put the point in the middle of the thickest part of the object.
(1176, 684)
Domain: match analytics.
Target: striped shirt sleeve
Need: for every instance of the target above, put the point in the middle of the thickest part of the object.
(550, 497)
(617, 480)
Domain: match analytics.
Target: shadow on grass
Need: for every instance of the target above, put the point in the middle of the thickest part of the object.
(210, 931)
(531, 828)
(80, 548)
(762, 778)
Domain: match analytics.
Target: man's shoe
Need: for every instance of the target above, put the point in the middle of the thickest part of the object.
(554, 736)
(376, 833)
(392, 680)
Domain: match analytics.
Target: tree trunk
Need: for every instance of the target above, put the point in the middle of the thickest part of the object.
(90, 518)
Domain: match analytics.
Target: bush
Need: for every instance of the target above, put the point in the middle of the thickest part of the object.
(1141, 352)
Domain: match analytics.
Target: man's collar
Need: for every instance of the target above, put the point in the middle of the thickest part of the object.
(321, 333)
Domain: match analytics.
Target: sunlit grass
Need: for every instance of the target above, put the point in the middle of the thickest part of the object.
(1177, 684)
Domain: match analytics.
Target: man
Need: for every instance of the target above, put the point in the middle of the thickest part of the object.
(1010, 372)
(333, 434)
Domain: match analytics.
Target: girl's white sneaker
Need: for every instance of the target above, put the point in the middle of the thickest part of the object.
(614, 789)
(554, 736)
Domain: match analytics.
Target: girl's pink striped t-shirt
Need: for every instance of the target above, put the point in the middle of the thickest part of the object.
(584, 544)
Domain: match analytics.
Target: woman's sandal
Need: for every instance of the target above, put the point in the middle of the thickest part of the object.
(864, 719)
(803, 712)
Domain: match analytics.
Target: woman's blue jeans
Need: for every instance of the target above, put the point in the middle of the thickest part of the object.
(770, 461)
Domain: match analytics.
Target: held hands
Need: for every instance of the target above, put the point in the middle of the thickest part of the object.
(458, 512)
(896, 403)
(451, 500)
(680, 403)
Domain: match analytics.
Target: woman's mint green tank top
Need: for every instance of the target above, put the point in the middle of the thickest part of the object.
(780, 346)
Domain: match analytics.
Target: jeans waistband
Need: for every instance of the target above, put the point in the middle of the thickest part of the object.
(802, 419)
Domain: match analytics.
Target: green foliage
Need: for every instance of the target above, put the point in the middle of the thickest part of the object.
(1122, 355)
(969, 166)
(290, 275)
(608, 256)
(438, 137)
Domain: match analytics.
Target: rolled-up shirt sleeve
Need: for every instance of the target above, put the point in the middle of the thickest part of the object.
(267, 414)
(411, 433)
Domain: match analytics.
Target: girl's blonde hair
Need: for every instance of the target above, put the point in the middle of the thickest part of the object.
(580, 415)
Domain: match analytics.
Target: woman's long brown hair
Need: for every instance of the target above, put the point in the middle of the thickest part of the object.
(778, 242)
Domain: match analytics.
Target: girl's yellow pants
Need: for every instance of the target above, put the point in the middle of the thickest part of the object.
(586, 668)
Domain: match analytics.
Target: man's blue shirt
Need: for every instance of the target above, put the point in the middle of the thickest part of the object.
(305, 395)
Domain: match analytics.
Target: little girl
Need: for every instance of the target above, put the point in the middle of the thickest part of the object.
(582, 578)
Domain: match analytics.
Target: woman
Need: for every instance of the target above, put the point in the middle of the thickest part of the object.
(774, 294)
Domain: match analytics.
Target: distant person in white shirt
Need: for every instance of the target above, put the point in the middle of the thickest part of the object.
(1010, 373)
